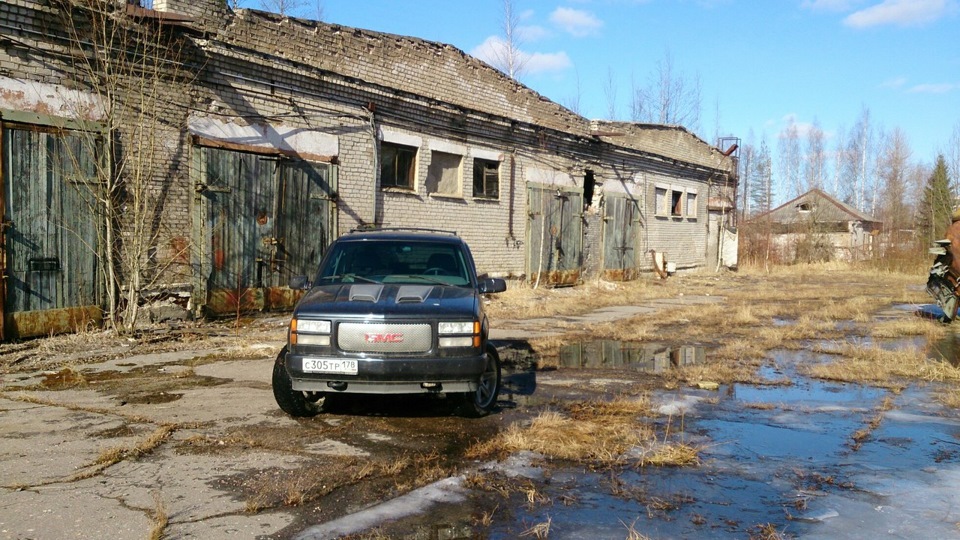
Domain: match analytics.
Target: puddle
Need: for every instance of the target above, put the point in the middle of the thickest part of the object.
(628, 355)
(788, 462)
(947, 350)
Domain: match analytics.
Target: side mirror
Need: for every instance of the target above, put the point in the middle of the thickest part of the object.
(299, 283)
(492, 285)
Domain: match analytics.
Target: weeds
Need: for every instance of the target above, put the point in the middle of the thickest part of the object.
(540, 530)
(160, 518)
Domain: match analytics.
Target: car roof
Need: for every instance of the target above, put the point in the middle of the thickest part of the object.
(403, 235)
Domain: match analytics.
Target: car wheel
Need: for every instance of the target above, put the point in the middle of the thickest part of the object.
(484, 399)
(294, 402)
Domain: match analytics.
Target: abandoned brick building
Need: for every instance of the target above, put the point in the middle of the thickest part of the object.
(213, 154)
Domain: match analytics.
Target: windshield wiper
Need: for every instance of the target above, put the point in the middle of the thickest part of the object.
(349, 276)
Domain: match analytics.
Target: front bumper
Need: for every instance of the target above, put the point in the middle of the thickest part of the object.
(384, 375)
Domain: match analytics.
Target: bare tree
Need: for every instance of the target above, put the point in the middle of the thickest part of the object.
(507, 56)
(763, 185)
(669, 98)
(283, 7)
(857, 171)
(895, 172)
(790, 159)
(815, 162)
(747, 174)
(952, 155)
(134, 68)
(610, 92)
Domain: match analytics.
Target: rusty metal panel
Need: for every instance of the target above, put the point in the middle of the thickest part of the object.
(554, 235)
(267, 219)
(232, 301)
(27, 324)
(51, 236)
(621, 238)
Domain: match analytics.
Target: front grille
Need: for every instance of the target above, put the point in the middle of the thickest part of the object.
(384, 337)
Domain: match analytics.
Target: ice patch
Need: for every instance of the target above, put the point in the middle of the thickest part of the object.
(335, 448)
(448, 490)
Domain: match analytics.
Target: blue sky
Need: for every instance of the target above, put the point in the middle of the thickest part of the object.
(759, 62)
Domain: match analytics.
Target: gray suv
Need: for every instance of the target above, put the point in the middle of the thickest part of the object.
(390, 312)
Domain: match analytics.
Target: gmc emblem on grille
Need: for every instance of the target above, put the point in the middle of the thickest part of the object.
(384, 338)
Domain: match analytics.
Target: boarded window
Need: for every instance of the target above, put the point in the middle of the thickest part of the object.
(661, 202)
(691, 204)
(486, 178)
(397, 165)
(443, 176)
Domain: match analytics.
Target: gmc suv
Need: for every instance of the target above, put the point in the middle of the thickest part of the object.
(390, 312)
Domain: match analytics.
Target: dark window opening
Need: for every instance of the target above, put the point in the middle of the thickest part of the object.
(486, 178)
(397, 165)
(589, 185)
(677, 206)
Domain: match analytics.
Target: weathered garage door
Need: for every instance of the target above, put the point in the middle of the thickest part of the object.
(554, 235)
(50, 232)
(621, 238)
(267, 219)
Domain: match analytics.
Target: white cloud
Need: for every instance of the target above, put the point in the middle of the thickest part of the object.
(575, 22)
(900, 13)
(546, 62)
(941, 88)
(492, 50)
(532, 33)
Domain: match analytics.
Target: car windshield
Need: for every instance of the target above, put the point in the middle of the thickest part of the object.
(393, 261)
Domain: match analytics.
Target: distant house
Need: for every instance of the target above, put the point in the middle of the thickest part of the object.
(818, 227)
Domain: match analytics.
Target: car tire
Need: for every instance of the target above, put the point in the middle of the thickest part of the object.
(294, 402)
(482, 401)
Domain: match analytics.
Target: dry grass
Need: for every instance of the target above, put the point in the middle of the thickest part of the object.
(876, 365)
(632, 533)
(766, 531)
(540, 530)
(561, 437)
(909, 327)
(160, 518)
(595, 432)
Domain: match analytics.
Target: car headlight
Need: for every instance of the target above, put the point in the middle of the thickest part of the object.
(310, 332)
(459, 333)
(462, 327)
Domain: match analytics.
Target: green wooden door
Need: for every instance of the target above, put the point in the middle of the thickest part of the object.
(52, 280)
(266, 219)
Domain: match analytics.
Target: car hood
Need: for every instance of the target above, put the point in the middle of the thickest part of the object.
(400, 300)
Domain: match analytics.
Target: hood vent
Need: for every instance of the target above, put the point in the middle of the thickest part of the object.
(365, 293)
(413, 293)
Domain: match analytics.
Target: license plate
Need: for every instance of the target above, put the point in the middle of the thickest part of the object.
(330, 365)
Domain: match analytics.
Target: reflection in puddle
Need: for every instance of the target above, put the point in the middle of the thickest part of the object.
(947, 350)
(636, 356)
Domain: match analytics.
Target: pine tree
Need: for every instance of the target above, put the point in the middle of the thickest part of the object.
(936, 205)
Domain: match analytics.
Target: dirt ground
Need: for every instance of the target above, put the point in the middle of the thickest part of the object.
(173, 432)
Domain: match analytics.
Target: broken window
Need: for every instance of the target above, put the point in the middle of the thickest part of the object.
(589, 184)
(486, 178)
(397, 165)
(676, 203)
(443, 176)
